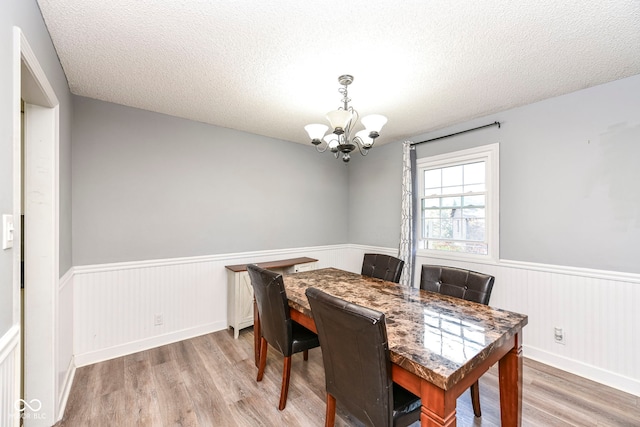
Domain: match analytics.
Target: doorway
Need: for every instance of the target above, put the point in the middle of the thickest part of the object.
(35, 189)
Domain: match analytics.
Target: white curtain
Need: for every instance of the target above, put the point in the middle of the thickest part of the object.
(407, 250)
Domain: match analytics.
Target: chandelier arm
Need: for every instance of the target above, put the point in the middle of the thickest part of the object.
(320, 150)
(360, 144)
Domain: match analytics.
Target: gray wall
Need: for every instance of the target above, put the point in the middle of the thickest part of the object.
(26, 15)
(568, 179)
(151, 186)
(375, 184)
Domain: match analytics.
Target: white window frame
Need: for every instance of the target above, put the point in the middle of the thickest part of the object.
(490, 155)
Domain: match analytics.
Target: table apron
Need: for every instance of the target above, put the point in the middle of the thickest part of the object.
(302, 319)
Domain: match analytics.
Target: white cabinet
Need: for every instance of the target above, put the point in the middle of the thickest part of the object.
(239, 301)
(240, 291)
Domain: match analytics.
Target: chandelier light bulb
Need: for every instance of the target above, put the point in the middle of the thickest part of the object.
(373, 123)
(339, 120)
(316, 132)
(332, 142)
(367, 141)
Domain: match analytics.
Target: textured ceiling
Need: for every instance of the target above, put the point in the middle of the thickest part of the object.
(271, 67)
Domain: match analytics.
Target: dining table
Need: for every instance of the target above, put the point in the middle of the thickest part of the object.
(439, 345)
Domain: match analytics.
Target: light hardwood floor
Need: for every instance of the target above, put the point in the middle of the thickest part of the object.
(211, 381)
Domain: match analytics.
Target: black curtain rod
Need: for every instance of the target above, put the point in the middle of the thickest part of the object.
(457, 133)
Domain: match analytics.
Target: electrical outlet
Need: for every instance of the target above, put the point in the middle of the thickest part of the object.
(158, 319)
(558, 335)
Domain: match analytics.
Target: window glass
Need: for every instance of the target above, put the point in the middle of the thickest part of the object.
(456, 214)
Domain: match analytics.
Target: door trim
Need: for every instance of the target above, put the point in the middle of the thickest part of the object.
(40, 191)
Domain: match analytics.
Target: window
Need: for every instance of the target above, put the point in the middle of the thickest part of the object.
(458, 203)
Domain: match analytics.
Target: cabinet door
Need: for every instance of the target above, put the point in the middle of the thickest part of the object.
(245, 300)
(239, 301)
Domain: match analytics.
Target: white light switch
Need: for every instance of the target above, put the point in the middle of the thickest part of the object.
(7, 231)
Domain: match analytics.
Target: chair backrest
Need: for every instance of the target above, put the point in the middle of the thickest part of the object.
(457, 282)
(383, 267)
(356, 359)
(273, 307)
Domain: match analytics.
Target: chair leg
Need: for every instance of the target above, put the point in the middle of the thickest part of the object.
(263, 358)
(305, 354)
(286, 373)
(330, 417)
(475, 399)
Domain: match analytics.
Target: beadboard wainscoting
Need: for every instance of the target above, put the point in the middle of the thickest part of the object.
(10, 377)
(127, 307)
(116, 307)
(596, 310)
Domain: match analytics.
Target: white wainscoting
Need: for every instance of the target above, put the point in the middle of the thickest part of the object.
(597, 310)
(9, 377)
(115, 307)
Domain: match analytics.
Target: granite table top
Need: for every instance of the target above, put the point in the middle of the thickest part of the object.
(437, 337)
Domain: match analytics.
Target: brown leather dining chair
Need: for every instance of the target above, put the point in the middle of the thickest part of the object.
(460, 283)
(357, 364)
(276, 326)
(382, 266)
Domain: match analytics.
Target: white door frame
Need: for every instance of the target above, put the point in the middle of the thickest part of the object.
(41, 200)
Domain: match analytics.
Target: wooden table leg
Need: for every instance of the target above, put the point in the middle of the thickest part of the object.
(510, 374)
(438, 406)
(256, 333)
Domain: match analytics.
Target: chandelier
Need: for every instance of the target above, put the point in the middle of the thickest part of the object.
(343, 121)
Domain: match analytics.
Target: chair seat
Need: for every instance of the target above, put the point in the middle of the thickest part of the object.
(302, 338)
(406, 406)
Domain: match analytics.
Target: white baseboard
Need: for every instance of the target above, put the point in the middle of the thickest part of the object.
(145, 344)
(593, 373)
(66, 388)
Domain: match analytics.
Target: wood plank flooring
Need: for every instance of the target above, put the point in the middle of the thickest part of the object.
(211, 381)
